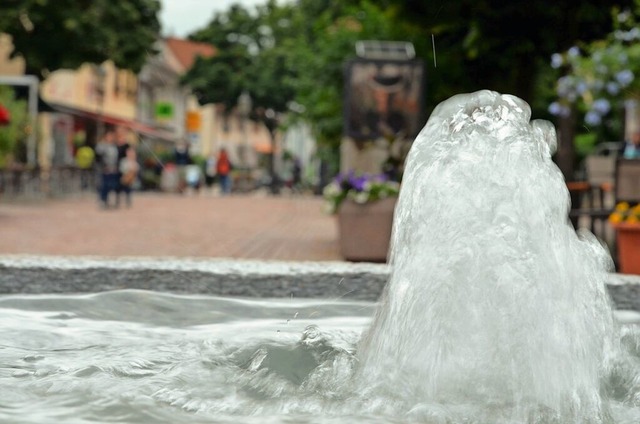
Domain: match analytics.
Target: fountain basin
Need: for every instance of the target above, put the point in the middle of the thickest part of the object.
(220, 277)
(183, 340)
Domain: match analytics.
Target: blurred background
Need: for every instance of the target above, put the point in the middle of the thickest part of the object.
(299, 91)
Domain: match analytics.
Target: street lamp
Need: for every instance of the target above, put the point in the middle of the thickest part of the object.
(244, 108)
(100, 75)
(271, 122)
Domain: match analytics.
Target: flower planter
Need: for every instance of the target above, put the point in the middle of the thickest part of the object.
(365, 229)
(628, 241)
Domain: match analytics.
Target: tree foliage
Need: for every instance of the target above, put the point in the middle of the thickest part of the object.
(284, 54)
(503, 46)
(295, 51)
(54, 34)
(251, 58)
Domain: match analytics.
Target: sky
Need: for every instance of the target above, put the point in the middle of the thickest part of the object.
(181, 17)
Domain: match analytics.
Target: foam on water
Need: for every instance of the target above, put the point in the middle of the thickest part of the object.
(494, 300)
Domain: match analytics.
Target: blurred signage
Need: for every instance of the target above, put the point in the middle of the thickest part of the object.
(194, 121)
(164, 110)
(384, 98)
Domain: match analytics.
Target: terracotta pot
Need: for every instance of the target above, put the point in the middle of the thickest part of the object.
(628, 240)
(365, 229)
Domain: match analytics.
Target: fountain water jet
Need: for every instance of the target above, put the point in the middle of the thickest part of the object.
(493, 299)
(495, 313)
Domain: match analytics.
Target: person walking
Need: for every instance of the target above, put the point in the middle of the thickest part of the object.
(85, 157)
(107, 154)
(123, 146)
(632, 147)
(223, 171)
(182, 159)
(129, 168)
(210, 171)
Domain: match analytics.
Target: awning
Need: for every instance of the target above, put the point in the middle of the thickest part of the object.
(136, 126)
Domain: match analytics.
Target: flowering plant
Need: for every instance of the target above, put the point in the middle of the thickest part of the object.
(625, 213)
(601, 75)
(360, 188)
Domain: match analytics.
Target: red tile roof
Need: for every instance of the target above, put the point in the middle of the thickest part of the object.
(188, 51)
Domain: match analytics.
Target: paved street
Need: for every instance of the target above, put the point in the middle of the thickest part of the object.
(249, 227)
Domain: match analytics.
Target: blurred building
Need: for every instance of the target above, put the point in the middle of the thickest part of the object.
(85, 102)
(152, 104)
(163, 102)
(8, 66)
(81, 104)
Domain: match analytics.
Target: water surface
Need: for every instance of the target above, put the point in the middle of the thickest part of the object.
(140, 357)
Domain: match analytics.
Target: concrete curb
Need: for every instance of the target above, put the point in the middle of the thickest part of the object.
(20, 274)
(52, 274)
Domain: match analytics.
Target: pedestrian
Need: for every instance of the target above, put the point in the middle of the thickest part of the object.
(210, 171)
(129, 169)
(107, 154)
(182, 158)
(123, 146)
(632, 147)
(223, 171)
(193, 177)
(85, 157)
(296, 175)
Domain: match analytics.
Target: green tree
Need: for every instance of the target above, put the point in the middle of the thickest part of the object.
(287, 54)
(506, 46)
(296, 51)
(54, 34)
(252, 58)
(498, 45)
(319, 59)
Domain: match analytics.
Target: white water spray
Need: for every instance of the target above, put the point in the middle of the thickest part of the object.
(494, 302)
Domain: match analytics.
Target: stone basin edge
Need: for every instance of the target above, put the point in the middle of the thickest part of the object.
(31, 274)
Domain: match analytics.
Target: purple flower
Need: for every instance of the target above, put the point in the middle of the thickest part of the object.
(623, 16)
(565, 110)
(358, 183)
(592, 118)
(573, 51)
(625, 77)
(602, 106)
(556, 60)
(613, 88)
(555, 108)
(582, 87)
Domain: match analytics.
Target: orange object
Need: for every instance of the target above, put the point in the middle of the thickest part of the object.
(628, 240)
(606, 187)
(578, 186)
(193, 121)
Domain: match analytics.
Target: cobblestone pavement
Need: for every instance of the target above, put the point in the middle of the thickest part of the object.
(292, 228)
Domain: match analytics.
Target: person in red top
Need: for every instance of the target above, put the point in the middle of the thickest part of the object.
(223, 171)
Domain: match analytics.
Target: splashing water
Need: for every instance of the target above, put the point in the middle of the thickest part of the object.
(495, 313)
(494, 301)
